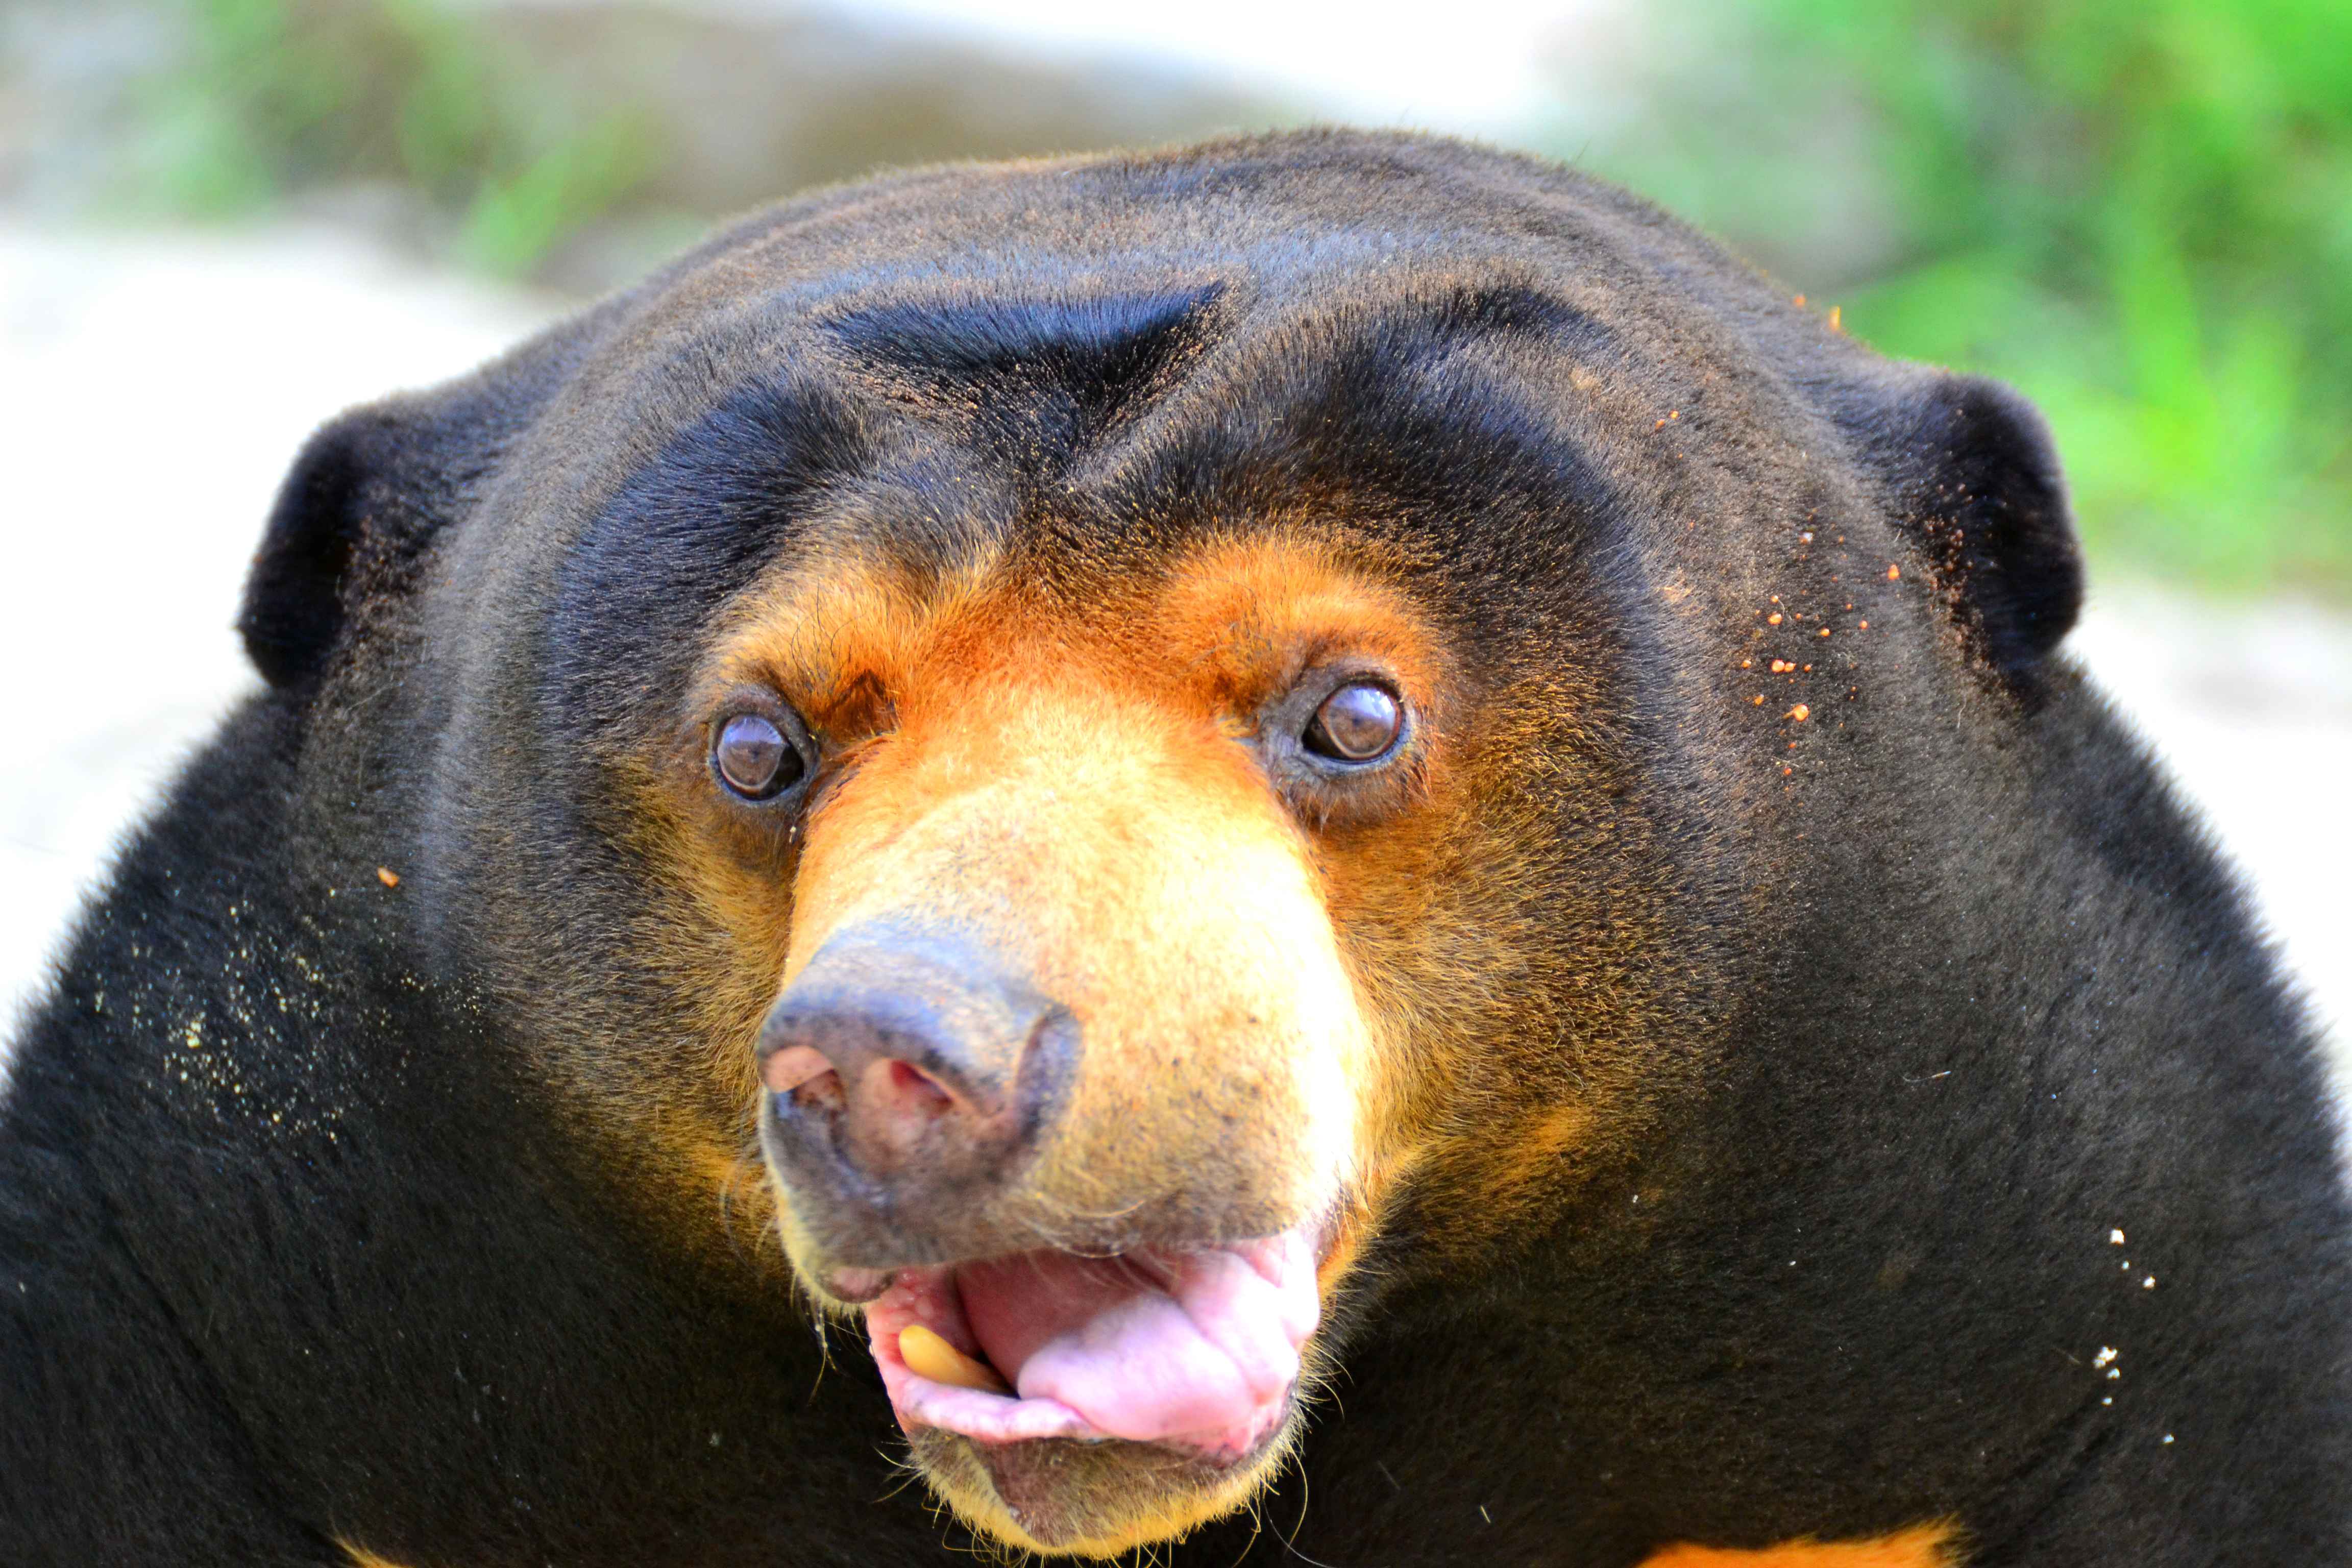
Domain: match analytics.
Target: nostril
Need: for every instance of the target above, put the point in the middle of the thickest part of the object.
(822, 1092)
(787, 1070)
(911, 1087)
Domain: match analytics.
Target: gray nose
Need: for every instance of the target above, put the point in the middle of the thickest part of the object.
(910, 1072)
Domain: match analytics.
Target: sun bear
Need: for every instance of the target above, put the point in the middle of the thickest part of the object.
(1329, 836)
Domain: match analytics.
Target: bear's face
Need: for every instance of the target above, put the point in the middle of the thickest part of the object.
(1166, 760)
(1106, 916)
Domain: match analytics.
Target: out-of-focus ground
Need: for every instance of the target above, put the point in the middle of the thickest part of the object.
(157, 385)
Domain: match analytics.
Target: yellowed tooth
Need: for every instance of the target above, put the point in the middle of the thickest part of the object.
(927, 1355)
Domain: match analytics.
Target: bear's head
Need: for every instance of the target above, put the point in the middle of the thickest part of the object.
(1170, 747)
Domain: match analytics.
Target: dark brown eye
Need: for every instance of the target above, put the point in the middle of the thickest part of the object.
(1355, 724)
(754, 758)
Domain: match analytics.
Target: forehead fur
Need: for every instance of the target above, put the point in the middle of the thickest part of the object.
(1109, 322)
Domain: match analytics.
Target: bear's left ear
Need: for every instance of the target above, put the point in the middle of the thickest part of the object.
(1974, 482)
(367, 496)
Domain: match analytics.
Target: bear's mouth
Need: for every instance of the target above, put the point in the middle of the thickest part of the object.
(1193, 1351)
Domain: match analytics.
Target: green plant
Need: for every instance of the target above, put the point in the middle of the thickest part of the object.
(2139, 211)
(271, 96)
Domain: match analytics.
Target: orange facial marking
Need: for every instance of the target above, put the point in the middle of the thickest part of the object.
(836, 637)
(1923, 1546)
(1243, 618)
(1068, 767)
(1534, 1154)
(1067, 771)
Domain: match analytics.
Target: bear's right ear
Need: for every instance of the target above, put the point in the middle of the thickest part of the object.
(367, 496)
(351, 491)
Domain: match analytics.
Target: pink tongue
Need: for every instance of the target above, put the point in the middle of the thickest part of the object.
(1199, 1349)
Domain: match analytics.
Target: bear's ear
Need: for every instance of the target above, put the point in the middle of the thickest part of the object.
(1974, 482)
(367, 496)
(352, 492)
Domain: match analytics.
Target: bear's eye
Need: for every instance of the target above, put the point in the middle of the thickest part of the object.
(754, 757)
(1357, 723)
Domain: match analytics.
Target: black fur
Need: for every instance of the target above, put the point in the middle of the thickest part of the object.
(315, 1224)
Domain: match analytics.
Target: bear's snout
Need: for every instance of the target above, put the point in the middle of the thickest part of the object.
(909, 1075)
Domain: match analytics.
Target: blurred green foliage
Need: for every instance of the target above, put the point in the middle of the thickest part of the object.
(2137, 211)
(274, 95)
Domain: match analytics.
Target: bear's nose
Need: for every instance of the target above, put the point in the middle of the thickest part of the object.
(922, 1066)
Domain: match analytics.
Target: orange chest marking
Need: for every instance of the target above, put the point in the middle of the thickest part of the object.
(1928, 1546)
(1924, 1546)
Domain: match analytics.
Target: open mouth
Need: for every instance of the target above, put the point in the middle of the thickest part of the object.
(1194, 1352)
